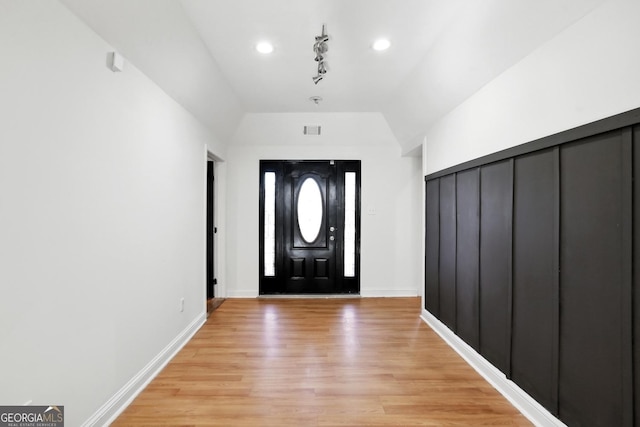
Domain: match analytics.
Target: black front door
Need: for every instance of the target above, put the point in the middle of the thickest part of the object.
(304, 209)
(310, 223)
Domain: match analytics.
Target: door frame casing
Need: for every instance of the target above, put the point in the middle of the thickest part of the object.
(276, 284)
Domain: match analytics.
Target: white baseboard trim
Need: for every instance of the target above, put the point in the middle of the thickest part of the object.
(530, 408)
(108, 412)
(365, 293)
(391, 293)
(242, 294)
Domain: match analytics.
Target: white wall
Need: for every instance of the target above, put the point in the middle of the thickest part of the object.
(391, 186)
(101, 214)
(588, 72)
(483, 40)
(159, 37)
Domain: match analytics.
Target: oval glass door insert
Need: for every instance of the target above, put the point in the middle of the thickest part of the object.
(310, 210)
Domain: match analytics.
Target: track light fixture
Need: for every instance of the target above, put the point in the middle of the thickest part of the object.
(320, 47)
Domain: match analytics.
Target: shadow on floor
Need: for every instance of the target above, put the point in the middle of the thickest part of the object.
(212, 304)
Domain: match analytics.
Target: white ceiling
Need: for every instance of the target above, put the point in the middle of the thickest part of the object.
(202, 52)
(359, 78)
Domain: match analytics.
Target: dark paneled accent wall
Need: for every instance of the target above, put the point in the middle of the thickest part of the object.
(432, 248)
(534, 350)
(533, 260)
(496, 193)
(448, 251)
(593, 287)
(468, 257)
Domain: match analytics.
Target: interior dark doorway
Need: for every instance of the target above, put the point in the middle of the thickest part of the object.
(309, 227)
(211, 230)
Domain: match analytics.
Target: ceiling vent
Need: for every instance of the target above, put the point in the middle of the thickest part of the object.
(312, 130)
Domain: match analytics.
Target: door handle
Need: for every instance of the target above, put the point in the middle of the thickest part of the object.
(332, 229)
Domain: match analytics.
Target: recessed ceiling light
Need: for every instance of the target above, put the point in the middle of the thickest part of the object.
(264, 47)
(381, 44)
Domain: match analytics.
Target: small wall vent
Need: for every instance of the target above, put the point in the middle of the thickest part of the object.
(312, 130)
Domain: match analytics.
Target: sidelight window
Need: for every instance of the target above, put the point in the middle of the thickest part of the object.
(349, 224)
(269, 224)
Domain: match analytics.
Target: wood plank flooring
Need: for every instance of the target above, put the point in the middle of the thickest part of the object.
(319, 362)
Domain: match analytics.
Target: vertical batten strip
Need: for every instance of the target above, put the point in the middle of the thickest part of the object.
(627, 276)
(509, 327)
(455, 253)
(634, 273)
(479, 259)
(555, 392)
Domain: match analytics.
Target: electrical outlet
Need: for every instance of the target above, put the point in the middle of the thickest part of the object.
(181, 305)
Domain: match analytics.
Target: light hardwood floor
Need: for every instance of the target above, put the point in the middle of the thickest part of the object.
(319, 362)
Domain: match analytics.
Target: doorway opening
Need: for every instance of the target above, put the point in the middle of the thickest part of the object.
(309, 227)
(213, 300)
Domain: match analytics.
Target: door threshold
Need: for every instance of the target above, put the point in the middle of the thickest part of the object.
(308, 296)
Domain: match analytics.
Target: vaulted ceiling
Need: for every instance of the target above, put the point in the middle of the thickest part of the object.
(202, 53)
